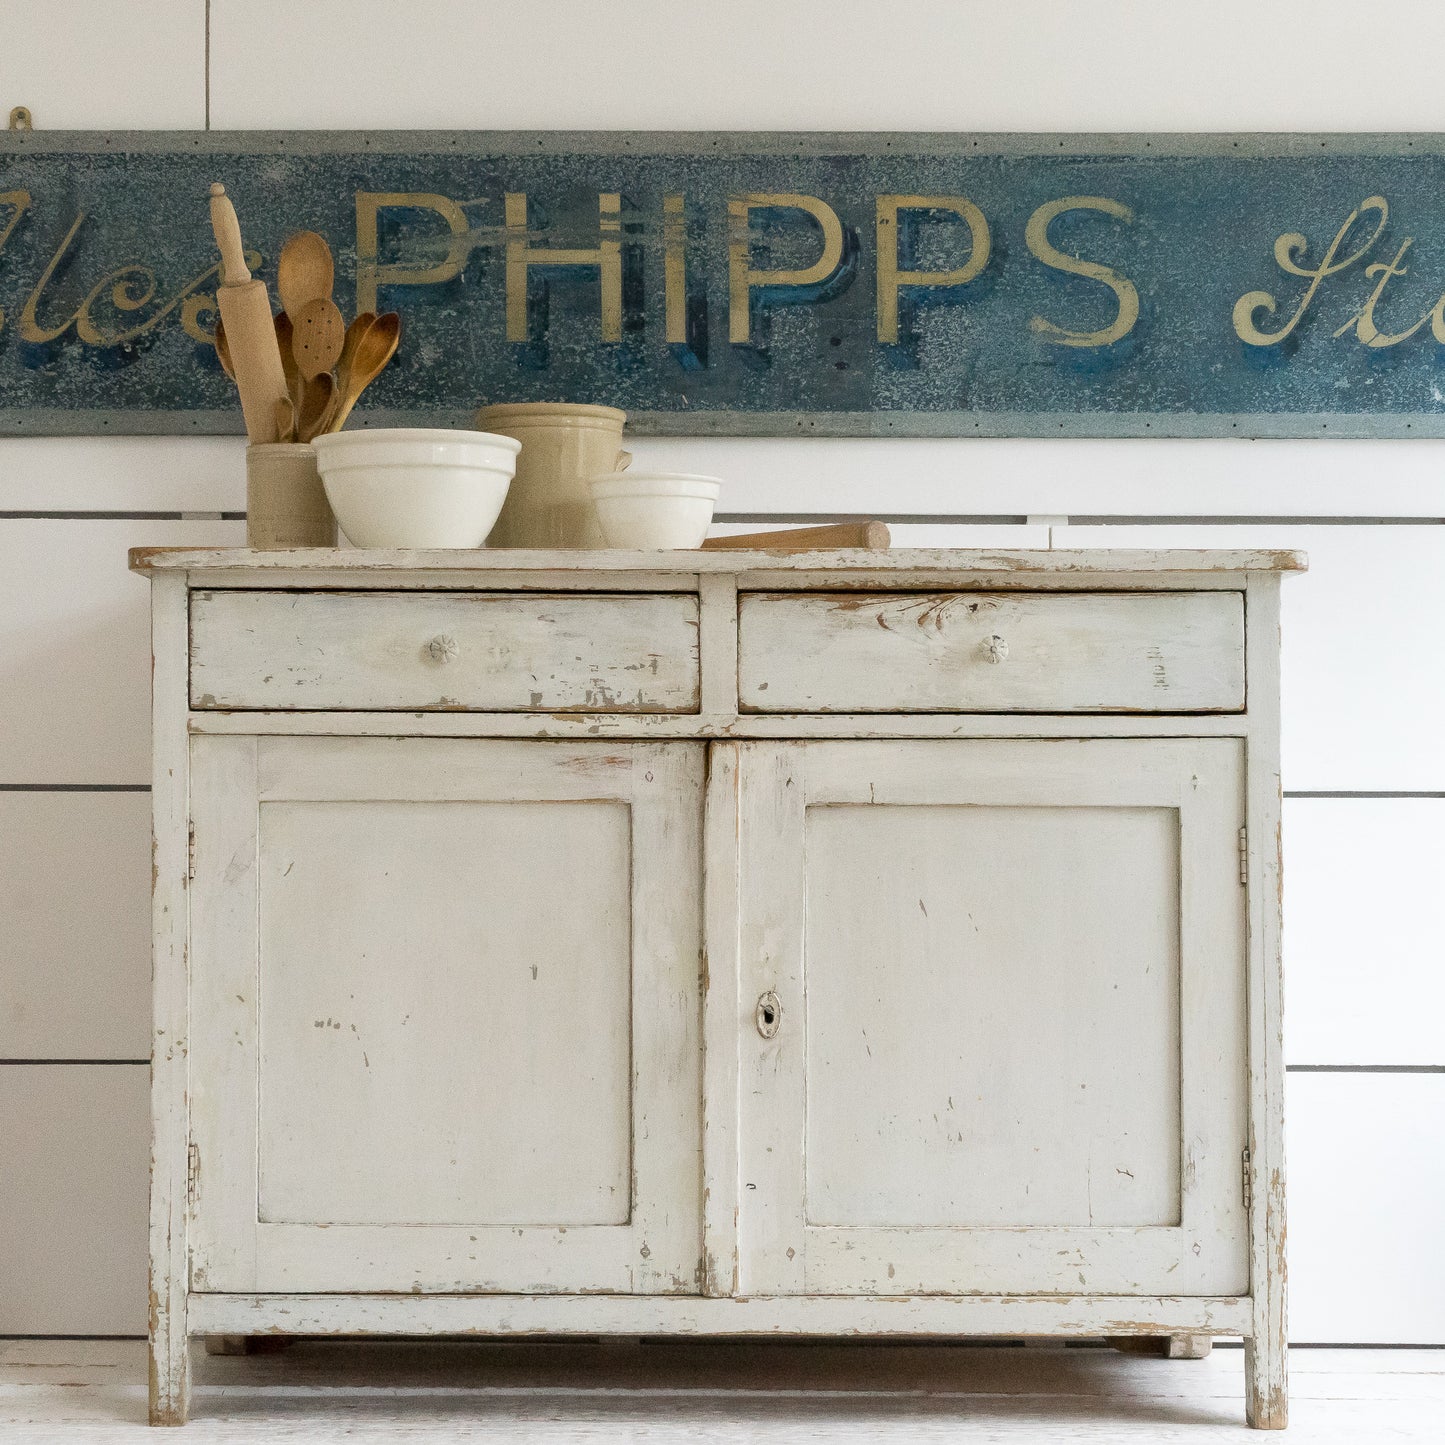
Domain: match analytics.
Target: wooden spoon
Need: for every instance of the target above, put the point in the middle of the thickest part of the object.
(285, 420)
(284, 340)
(374, 348)
(317, 397)
(305, 272)
(363, 323)
(319, 333)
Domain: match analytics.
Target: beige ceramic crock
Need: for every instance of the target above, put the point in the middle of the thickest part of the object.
(548, 503)
(286, 504)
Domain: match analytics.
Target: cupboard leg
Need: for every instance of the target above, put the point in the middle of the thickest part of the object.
(170, 1370)
(1266, 1401)
(248, 1344)
(1169, 1347)
(1188, 1347)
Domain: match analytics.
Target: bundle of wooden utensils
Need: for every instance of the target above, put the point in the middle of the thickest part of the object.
(299, 373)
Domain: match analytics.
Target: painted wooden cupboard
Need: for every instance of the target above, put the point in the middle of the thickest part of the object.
(868, 943)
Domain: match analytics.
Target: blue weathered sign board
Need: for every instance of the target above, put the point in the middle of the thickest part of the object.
(945, 285)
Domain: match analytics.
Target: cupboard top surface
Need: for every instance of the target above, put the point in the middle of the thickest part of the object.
(963, 563)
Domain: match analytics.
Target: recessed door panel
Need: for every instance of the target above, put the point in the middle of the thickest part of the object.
(992, 1016)
(420, 1030)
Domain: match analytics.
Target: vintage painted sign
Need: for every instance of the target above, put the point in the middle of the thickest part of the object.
(948, 285)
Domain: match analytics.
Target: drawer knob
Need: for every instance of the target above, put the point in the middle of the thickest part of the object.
(442, 648)
(769, 1014)
(995, 649)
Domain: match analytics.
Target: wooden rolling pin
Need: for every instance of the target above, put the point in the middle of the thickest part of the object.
(838, 534)
(250, 331)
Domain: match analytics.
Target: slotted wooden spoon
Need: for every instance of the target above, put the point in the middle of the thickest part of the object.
(319, 333)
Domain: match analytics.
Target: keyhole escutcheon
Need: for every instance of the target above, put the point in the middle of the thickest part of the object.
(769, 1014)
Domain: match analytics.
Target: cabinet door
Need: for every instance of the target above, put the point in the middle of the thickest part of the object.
(1005, 987)
(444, 1013)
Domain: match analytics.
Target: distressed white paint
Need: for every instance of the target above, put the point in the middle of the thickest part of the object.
(422, 1020)
(170, 1007)
(721, 1018)
(981, 652)
(347, 889)
(1002, 967)
(320, 567)
(879, 1316)
(487, 652)
(477, 973)
(1265, 1373)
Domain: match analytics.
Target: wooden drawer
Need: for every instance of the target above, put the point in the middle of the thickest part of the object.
(991, 652)
(444, 651)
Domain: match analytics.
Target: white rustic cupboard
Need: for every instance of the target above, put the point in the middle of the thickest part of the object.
(866, 943)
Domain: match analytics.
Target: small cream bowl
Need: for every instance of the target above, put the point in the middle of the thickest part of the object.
(665, 511)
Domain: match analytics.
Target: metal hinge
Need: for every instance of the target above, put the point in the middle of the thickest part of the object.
(193, 1173)
(191, 853)
(1244, 857)
(1246, 1180)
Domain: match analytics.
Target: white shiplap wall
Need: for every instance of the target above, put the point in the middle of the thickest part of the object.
(1364, 684)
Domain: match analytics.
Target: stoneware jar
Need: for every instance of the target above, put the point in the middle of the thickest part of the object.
(286, 505)
(549, 504)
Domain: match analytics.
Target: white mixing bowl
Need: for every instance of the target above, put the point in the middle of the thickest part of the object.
(416, 487)
(665, 510)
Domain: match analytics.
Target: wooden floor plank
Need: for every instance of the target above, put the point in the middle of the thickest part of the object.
(81, 1391)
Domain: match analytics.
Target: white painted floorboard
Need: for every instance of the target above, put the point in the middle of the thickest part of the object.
(53, 1391)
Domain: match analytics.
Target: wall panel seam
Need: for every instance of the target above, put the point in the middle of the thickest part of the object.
(1364, 1068)
(73, 1063)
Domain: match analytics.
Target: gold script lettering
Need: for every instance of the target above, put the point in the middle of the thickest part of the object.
(1289, 251)
(890, 277)
(191, 305)
(20, 200)
(1363, 321)
(30, 328)
(1036, 236)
